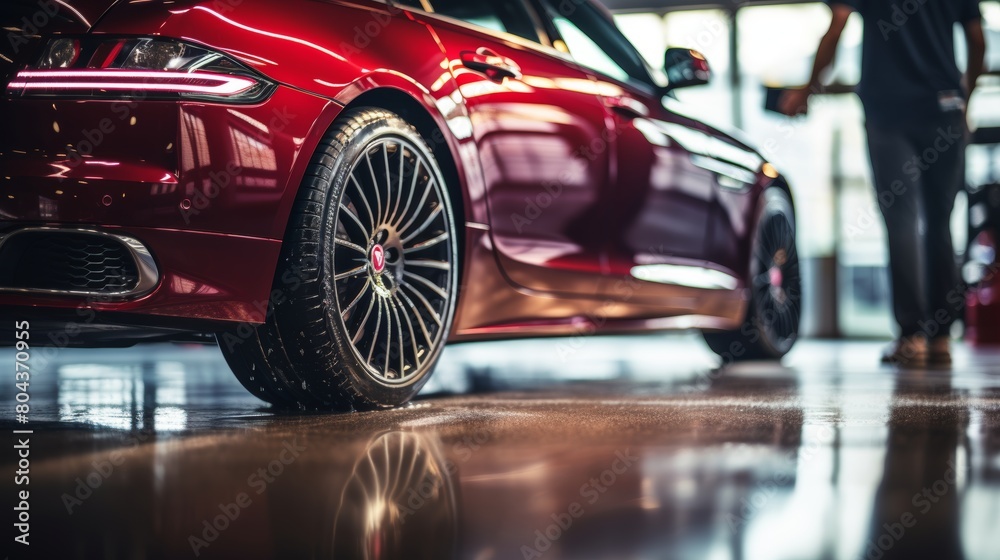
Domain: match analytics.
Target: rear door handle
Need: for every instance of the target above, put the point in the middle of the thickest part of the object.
(488, 62)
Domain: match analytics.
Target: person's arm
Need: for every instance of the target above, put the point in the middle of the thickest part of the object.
(976, 41)
(796, 101)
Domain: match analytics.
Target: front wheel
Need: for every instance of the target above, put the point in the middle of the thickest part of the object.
(368, 278)
(771, 326)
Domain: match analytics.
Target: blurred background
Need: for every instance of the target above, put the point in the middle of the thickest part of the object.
(753, 45)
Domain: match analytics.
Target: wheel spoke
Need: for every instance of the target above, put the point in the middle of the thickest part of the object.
(416, 315)
(364, 200)
(378, 325)
(413, 335)
(409, 196)
(787, 236)
(439, 265)
(786, 321)
(430, 285)
(443, 236)
(350, 245)
(763, 259)
(388, 181)
(351, 273)
(765, 241)
(416, 214)
(378, 196)
(427, 304)
(427, 223)
(354, 217)
(399, 188)
(388, 340)
(778, 326)
(356, 299)
(402, 353)
(364, 321)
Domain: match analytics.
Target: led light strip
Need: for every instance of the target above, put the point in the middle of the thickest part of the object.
(226, 85)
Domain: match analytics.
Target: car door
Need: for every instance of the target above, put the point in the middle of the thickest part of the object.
(534, 117)
(660, 200)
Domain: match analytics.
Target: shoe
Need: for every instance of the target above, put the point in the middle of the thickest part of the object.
(939, 351)
(907, 351)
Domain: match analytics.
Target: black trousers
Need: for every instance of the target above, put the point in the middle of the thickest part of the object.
(919, 168)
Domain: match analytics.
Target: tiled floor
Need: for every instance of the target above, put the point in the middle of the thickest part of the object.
(631, 447)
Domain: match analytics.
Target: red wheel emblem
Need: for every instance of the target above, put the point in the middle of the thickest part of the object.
(378, 258)
(776, 278)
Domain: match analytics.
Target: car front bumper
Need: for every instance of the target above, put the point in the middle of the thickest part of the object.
(205, 188)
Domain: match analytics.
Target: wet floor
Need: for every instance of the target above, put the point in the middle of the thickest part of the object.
(616, 448)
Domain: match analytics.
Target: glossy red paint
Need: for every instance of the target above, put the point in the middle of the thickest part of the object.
(543, 197)
(235, 164)
(567, 179)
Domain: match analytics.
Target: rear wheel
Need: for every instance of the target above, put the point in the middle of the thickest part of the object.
(365, 291)
(773, 315)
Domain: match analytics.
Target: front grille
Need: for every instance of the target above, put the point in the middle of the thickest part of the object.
(67, 261)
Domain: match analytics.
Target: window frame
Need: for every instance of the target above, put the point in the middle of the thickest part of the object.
(647, 85)
(548, 35)
(537, 23)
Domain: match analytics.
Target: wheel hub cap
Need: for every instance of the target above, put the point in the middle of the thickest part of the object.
(776, 277)
(377, 258)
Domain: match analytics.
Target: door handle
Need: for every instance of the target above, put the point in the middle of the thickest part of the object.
(488, 62)
(627, 105)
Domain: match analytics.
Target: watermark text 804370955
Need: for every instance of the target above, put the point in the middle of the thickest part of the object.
(22, 437)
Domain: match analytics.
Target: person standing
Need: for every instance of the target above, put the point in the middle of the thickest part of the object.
(915, 99)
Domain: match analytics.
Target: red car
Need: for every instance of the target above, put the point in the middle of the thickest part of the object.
(336, 188)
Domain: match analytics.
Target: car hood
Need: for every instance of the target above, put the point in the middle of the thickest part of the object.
(26, 22)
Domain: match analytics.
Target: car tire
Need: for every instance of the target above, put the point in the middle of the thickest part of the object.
(773, 317)
(365, 289)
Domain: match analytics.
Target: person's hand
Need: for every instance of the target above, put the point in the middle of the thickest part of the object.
(795, 102)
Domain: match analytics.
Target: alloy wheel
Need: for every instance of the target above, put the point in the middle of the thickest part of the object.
(393, 260)
(776, 282)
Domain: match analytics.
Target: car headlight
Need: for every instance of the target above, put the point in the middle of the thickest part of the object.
(137, 68)
(60, 53)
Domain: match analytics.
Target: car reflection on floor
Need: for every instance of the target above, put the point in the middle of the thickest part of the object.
(595, 448)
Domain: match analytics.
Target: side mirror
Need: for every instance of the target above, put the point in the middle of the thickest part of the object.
(686, 68)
